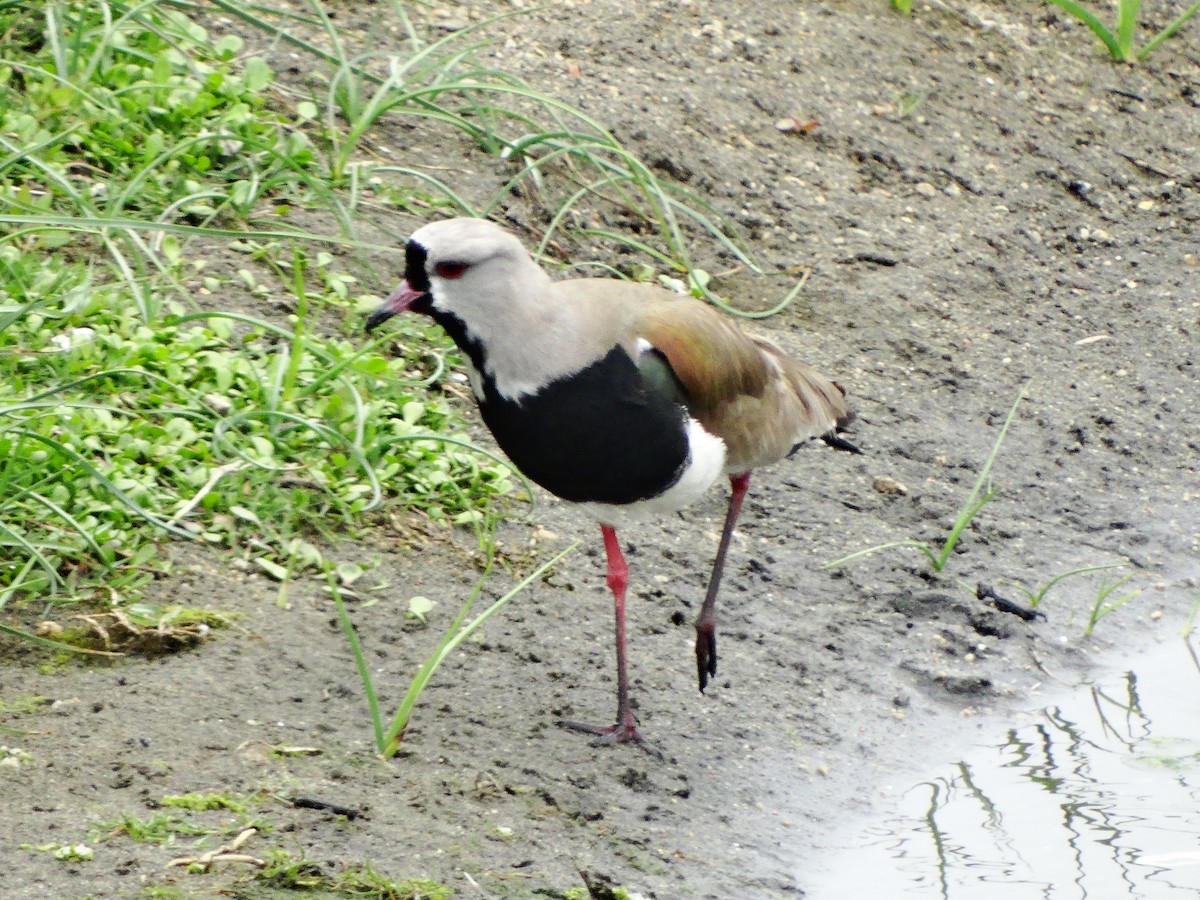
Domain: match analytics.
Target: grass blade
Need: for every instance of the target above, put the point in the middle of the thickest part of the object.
(1169, 30)
(924, 548)
(455, 636)
(973, 504)
(51, 645)
(360, 660)
(1127, 17)
(1088, 18)
(1036, 597)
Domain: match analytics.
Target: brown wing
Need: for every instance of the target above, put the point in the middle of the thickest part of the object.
(744, 389)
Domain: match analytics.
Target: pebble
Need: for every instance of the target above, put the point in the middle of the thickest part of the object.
(886, 484)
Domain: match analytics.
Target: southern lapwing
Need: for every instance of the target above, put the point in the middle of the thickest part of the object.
(625, 398)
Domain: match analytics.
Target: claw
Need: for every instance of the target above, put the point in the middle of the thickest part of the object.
(706, 654)
(625, 732)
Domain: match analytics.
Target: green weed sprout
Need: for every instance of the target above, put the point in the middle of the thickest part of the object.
(284, 873)
(388, 741)
(1102, 606)
(1190, 624)
(981, 494)
(1120, 43)
(1038, 594)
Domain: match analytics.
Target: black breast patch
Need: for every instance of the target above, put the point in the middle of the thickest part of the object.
(602, 435)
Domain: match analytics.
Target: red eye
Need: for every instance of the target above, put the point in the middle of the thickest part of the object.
(450, 269)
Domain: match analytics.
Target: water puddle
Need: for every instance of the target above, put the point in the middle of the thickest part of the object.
(1096, 798)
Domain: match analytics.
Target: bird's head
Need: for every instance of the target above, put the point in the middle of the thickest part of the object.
(456, 267)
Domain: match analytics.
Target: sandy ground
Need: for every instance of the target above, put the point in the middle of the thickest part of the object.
(985, 200)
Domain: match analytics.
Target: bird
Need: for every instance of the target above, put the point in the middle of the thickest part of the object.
(627, 399)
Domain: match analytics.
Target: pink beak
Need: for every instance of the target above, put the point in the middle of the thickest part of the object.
(400, 300)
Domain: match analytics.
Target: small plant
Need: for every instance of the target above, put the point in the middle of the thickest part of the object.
(981, 494)
(388, 741)
(1038, 594)
(909, 102)
(1102, 606)
(24, 706)
(283, 871)
(1190, 624)
(203, 802)
(14, 756)
(161, 828)
(904, 6)
(1120, 43)
(162, 892)
(64, 852)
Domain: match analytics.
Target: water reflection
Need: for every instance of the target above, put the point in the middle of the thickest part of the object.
(1098, 798)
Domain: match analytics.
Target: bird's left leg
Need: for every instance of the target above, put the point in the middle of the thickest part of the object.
(706, 622)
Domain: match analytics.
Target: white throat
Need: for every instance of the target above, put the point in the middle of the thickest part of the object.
(529, 336)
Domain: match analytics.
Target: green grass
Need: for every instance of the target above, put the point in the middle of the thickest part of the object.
(275, 869)
(1039, 593)
(125, 416)
(1121, 40)
(202, 802)
(1105, 604)
(197, 821)
(981, 493)
(160, 828)
(1190, 624)
(1102, 604)
(285, 872)
(67, 853)
(24, 706)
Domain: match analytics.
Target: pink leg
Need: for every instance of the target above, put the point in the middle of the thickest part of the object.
(625, 730)
(706, 622)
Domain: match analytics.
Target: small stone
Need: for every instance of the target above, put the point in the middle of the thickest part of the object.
(218, 403)
(886, 484)
(925, 189)
(49, 629)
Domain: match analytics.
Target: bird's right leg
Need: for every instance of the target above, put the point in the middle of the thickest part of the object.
(625, 729)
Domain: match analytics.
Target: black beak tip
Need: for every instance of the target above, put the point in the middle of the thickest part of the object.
(377, 318)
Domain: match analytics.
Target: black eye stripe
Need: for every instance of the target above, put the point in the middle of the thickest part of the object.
(414, 267)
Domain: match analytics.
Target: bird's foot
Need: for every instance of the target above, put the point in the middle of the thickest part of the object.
(706, 653)
(624, 731)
